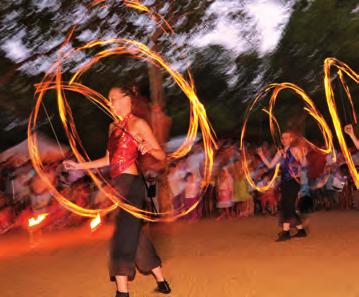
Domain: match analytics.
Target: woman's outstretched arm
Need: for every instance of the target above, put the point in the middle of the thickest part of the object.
(273, 162)
(98, 163)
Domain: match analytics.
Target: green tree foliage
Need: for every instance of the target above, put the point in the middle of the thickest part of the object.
(40, 27)
(317, 29)
(225, 80)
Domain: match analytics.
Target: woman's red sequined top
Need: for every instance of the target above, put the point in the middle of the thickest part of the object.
(122, 148)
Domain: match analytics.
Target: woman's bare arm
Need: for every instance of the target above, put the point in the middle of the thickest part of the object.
(98, 163)
(273, 162)
(149, 143)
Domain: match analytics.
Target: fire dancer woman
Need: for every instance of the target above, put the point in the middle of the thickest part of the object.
(291, 160)
(129, 246)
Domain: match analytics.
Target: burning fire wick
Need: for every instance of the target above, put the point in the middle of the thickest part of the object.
(34, 228)
(95, 223)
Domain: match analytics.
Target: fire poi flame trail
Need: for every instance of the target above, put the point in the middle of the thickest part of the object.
(53, 80)
(313, 112)
(309, 107)
(342, 68)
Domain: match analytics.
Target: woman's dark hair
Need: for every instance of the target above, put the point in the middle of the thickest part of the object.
(126, 89)
(289, 131)
(188, 174)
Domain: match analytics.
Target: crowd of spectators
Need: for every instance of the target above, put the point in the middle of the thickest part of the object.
(325, 185)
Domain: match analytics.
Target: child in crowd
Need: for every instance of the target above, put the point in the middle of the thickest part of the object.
(269, 197)
(224, 193)
(191, 196)
(242, 198)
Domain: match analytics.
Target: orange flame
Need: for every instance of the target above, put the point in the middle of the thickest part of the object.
(53, 80)
(95, 222)
(34, 221)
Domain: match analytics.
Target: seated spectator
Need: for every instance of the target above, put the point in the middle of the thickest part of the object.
(7, 218)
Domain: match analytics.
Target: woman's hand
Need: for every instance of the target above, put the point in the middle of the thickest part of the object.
(148, 143)
(144, 147)
(348, 129)
(260, 152)
(71, 165)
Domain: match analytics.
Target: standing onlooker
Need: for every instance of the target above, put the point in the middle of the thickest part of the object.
(224, 193)
(175, 178)
(194, 162)
(242, 198)
(269, 197)
(191, 195)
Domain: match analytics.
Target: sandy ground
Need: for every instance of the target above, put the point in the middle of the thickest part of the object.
(206, 258)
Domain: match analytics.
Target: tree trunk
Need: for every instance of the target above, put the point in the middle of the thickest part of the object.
(156, 85)
(160, 122)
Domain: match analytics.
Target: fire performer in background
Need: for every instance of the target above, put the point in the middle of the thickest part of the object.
(291, 160)
(130, 246)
